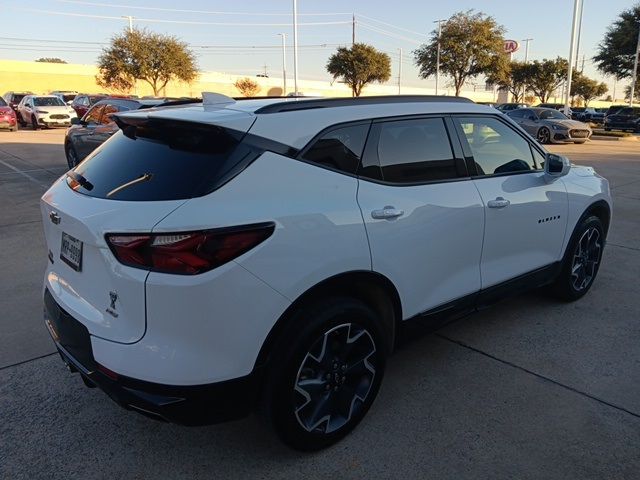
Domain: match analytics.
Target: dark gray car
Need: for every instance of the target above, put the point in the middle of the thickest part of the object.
(550, 126)
(97, 125)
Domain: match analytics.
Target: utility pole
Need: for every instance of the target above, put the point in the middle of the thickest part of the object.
(583, 60)
(284, 64)
(400, 72)
(574, 27)
(439, 22)
(130, 18)
(526, 49)
(634, 77)
(295, 46)
(579, 33)
(353, 30)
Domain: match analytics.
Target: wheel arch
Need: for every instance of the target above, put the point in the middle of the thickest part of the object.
(602, 210)
(372, 288)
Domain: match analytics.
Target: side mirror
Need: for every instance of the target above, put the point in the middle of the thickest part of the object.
(75, 121)
(556, 166)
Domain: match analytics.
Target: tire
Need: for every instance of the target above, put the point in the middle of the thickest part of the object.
(14, 128)
(581, 260)
(21, 121)
(34, 122)
(72, 156)
(543, 136)
(325, 374)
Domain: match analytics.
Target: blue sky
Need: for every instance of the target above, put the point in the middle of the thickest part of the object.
(54, 28)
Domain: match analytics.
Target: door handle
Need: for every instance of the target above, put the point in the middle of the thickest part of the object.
(498, 203)
(387, 213)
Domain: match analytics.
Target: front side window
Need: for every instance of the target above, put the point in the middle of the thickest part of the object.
(107, 114)
(93, 115)
(496, 148)
(518, 113)
(339, 149)
(415, 151)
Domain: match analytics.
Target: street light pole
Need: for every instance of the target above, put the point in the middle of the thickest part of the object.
(579, 34)
(526, 49)
(284, 64)
(635, 72)
(400, 72)
(130, 18)
(295, 47)
(574, 27)
(439, 22)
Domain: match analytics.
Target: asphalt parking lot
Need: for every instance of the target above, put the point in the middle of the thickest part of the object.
(530, 388)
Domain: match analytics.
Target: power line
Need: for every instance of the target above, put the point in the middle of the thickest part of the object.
(181, 22)
(422, 34)
(389, 34)
(208, 12)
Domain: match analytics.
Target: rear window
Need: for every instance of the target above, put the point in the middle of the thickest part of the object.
(163, 162)
(18, 98)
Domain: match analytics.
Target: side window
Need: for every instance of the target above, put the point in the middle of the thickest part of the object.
(84, 101)
(108, 111)
(517, 113)
(339, 149)
(93, 115)
(414, 151)
(495, 147)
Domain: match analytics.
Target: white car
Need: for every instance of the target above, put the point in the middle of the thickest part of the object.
(210, 258)
(44, 111)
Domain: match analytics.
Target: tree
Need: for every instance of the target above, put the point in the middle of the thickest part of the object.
(143, 55)
(471, 44)
(546, 76)
(513, 78)
(359, 65)
(50, 60)
(616, 52)
(247, 87)
(586, 88)
(636, 90)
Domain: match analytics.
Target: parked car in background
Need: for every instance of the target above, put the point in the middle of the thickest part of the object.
(83, 102)
(7, 116)
(66, 96)
(550, 126)
(627, 118)
(97, 125)
(199, 269)
(14, 98)
(614, 109)
(44, 111)
(582, 113)
(597, 116)
(506, 107)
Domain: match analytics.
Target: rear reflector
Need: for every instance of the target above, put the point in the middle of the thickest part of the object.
(187, 253)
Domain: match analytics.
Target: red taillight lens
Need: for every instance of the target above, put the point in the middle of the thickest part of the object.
(187, 253)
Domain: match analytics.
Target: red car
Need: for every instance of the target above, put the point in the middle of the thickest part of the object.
(7, 116)
(83, 102)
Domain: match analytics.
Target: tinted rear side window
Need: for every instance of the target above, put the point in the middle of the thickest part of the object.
(2, 102)
(414, 151)
(162, 163)
(339, 149)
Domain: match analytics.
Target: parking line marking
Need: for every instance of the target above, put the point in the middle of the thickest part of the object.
(538, 375)
(24, 174)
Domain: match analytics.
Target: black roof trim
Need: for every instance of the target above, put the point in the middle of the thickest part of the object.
(348, 102)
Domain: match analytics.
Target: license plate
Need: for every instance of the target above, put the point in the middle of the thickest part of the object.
(71, 251)
(580, 134)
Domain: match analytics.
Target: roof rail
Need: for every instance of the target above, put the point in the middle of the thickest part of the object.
(304, 104)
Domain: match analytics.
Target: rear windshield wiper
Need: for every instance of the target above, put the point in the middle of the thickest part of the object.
(142, 178)
(83, 182)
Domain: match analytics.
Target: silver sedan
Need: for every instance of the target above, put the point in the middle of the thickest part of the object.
(550, 126)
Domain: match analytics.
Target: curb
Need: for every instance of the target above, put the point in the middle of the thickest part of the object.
(614, 139)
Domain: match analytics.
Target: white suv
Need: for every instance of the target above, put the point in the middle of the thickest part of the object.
(44, 111)
(210, 258)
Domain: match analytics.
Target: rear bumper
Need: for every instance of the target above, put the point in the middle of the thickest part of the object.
(186, 405)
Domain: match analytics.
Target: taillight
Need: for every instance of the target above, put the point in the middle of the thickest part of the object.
(187, 253)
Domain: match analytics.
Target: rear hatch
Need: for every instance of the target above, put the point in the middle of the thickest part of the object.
(127, 185)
